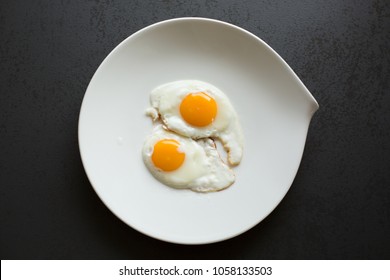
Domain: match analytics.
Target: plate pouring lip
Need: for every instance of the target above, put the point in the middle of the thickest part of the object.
(313, 102)
(314, 106)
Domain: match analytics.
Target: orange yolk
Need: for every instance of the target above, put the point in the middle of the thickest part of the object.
(166, 155)
(198, 109)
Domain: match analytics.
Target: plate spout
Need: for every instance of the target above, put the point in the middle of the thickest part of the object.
(313, 103)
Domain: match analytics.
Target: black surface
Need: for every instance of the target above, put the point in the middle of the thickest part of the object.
(339, 204)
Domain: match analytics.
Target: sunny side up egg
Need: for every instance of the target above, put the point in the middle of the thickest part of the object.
(196, 109)
(181, 152)
(182, 162)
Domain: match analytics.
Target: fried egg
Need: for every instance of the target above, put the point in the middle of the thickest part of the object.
(184, 163)
(199, 110)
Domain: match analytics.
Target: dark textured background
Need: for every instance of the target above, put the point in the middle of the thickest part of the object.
(339, 204)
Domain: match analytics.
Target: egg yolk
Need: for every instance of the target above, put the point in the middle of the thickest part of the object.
(166, 155)
(198, 109)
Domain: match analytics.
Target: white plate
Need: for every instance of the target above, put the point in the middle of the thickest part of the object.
(274, 107)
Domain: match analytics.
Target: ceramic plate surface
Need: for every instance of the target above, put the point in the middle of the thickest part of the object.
(273, 105)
